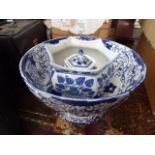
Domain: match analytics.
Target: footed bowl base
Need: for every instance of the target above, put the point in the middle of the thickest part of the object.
(80, 120)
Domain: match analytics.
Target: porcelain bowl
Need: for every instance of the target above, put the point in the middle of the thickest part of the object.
(81, 66)
(34, 69)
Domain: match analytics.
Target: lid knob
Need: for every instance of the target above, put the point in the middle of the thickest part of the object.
(80, 60)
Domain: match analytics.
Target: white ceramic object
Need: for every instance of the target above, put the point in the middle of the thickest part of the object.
(80, 61)
(78, 65)
(35, 66)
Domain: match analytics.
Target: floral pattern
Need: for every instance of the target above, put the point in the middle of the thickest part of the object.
(109, 88)
(80, 86)
(37, 67)
(79, 60)
(81, 114)
(36, 72)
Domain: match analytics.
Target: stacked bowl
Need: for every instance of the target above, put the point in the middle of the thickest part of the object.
(82, 77)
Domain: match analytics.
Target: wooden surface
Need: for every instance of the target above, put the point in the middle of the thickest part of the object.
(148, 54)
(132, 117)
(148, 28)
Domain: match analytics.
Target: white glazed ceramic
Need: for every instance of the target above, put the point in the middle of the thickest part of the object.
(34, 69)
(79, 65)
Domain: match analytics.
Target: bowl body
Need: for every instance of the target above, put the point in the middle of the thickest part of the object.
(85, 66)
(79, 111)
(34, 68)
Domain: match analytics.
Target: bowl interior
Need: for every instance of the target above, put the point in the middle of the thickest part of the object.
(93, 49)
(35, 66)
(60, 56)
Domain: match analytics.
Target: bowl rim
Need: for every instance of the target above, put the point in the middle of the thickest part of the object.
(85, 99)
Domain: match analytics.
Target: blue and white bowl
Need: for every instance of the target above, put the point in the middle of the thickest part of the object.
(34, 69)
(80, 67)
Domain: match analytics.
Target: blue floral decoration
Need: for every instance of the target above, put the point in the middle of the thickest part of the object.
(110, 88)
(80, 81)
(69, 80)
(89, 83)
(74, 87)
(86, 90)
(86, 38)
(107, 44)
(80, 60)
(61, 79)
(73, 91)
(60, 86)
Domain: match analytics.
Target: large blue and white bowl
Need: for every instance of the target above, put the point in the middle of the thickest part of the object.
(35, 66)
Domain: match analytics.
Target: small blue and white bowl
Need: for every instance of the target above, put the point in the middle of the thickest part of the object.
(34, 69)
(80, 67)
